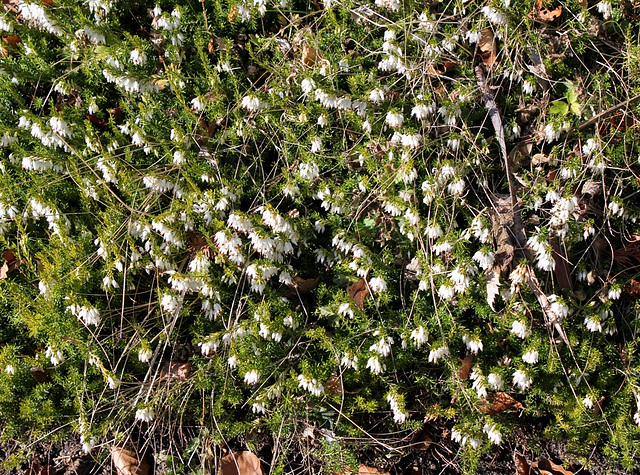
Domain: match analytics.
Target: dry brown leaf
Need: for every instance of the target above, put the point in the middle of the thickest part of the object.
(309, 56)
(544, 15)
(40, 375)
(500, 402)
(9, 44)
(465, 369)
(240, 463)
(364, 470)
(333, 385)
(128, 462)
(633, 288)
(441, 68)
(547, 467)
(562, 269)
(487, 47)
(300, 286)
(358, 292)
(176, 370)
(522, 466)
(97, 121)
(421, 440)
(493, 286)
(591, 188)
(10, 263)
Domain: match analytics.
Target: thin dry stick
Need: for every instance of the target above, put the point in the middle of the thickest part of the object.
(532, 280)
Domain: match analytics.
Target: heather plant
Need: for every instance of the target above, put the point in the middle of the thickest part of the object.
(306, 218)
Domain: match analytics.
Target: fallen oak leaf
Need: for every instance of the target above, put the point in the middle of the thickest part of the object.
(176, 370)
(11, 263)
(421, 440)
(465, 369)
(522, 466)
(240, 463)
(299, 286)
(500, 402)
(633, 288)
(544, 15)
(359, 292)
(547, 467)
(487, 47)
(128, 462)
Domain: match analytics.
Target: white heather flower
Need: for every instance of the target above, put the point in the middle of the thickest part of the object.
(494, 16)
(252, 103)
(146, 414)
(422, 111)
(345, 310)
(316, 144)
(592, 322)
(251, 377)
(456, 187)
(145, 354)
(615, 291)
(484, 258)
(474, 344)
(419, 336)
(446, 291)
(605, 8)
(615, 208)
(493, 433)
(394, 119)
(438, 353)
(522, 380)
(308, 171)
(311, 385)
(349, 361)
(307, 86)
(375, 366)
(433, 231)
(457, 436)
(590, 146)
(376, 96)
(10, 369)
(558, 307)
(399, 415)
(588, 402)
(378, 285)
(56, 356)
(170, 303)
(138, 57)
(495, 381)
(112, 381)
(530, 357)
(411, 141)
(520, 329)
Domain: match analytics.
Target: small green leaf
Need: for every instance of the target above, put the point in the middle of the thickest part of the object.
(559, 107)
(572, 95)
(576, 109)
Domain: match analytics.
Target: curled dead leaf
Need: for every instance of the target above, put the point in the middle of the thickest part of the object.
(633, 288)
(500, 402)
(362, 470)
(421, 440)
(128, 461)
(176, 370)
(359, 292)
(10, 45)
(240, 463)
(544, 15)
(439, 69)
(487, 47)
(465, 369)
(11, 263)
(299, 286)
(40, 375)
(522, 466)
(309, 56)
(333, 385)
(233, 12)
(547, 467)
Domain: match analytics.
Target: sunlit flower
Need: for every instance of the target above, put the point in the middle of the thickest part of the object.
(146, 414)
